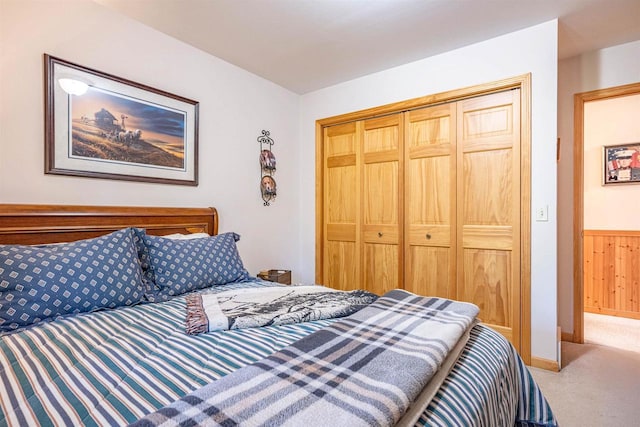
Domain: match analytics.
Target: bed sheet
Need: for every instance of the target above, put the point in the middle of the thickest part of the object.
(114, 367)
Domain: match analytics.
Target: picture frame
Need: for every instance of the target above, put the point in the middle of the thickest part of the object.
(621, 164)
(117, 129)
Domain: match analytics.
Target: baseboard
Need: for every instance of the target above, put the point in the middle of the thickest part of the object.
(546, 364)
(559, 346)
(567, 336)
(612, 312)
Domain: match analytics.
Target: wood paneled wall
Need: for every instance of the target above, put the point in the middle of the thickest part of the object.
(612, 272)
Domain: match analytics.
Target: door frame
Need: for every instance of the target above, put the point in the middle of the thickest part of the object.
(579, 99)
(522, 82)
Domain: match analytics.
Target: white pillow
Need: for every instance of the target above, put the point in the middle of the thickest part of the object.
(178, 236)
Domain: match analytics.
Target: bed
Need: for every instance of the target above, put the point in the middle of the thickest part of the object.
(121, 362)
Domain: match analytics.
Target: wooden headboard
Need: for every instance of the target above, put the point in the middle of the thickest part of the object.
(38, 224)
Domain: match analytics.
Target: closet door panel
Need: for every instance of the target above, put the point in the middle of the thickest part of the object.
(341, 210)
(381, 267)
(429, 195)
(381, 203)
(382, 134)
(381, 195)
(340, 140)
(431, 126)
(430, 270)
(488, 193)
(489, 122)
(340, 272)
(486, 283)
(488, 183)
(430, 201)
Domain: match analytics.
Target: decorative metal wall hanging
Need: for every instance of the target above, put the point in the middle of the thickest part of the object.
(267, 168)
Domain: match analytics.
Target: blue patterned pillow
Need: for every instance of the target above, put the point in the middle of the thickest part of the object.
(42, 282)
(180, 266)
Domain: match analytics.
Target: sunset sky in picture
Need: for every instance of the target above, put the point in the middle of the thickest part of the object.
(160, 125)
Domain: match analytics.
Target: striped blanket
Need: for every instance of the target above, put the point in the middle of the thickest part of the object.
(364, 370)
(253, 308)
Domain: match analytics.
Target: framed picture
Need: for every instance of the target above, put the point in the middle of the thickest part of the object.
(101, 126)
(621, 163)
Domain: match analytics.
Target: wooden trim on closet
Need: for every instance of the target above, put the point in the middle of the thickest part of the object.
(524, 83)
(429, 100)
(579, 100)
(525, 225)
(319, 202)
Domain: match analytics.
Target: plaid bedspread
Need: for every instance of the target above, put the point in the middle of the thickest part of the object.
(364, 370)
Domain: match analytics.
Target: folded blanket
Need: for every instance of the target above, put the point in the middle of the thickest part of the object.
(278, 305)
(363, 370)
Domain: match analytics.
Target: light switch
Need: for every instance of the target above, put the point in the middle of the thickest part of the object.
(542, 213)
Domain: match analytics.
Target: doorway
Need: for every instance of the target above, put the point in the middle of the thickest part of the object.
(605, 249)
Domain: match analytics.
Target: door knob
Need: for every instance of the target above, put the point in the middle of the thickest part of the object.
(428, 236)
(379, 234)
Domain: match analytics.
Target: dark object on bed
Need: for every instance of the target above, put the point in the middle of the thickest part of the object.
(278, 276)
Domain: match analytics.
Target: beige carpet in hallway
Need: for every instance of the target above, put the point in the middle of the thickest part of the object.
(598, 386)
(612, 331)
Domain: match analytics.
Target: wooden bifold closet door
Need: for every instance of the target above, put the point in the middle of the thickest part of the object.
(362, 205)
(341, 203)
(488, 209)
(381, 203)
(430, 194)
(429, 200)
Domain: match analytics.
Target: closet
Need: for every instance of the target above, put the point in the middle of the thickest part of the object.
(429, 198)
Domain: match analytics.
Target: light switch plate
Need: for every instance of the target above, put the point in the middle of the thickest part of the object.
(542, 213)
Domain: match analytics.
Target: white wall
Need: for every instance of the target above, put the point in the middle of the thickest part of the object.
(609, 122)
(234, 107)
(614, 66)
(531, 50)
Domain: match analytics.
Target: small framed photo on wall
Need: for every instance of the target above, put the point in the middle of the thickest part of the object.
(621, 163)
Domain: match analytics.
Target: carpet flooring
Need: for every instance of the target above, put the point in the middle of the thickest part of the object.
(598, 386)
(612, 331)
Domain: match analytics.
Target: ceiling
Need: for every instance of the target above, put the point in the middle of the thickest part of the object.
(305, 45)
